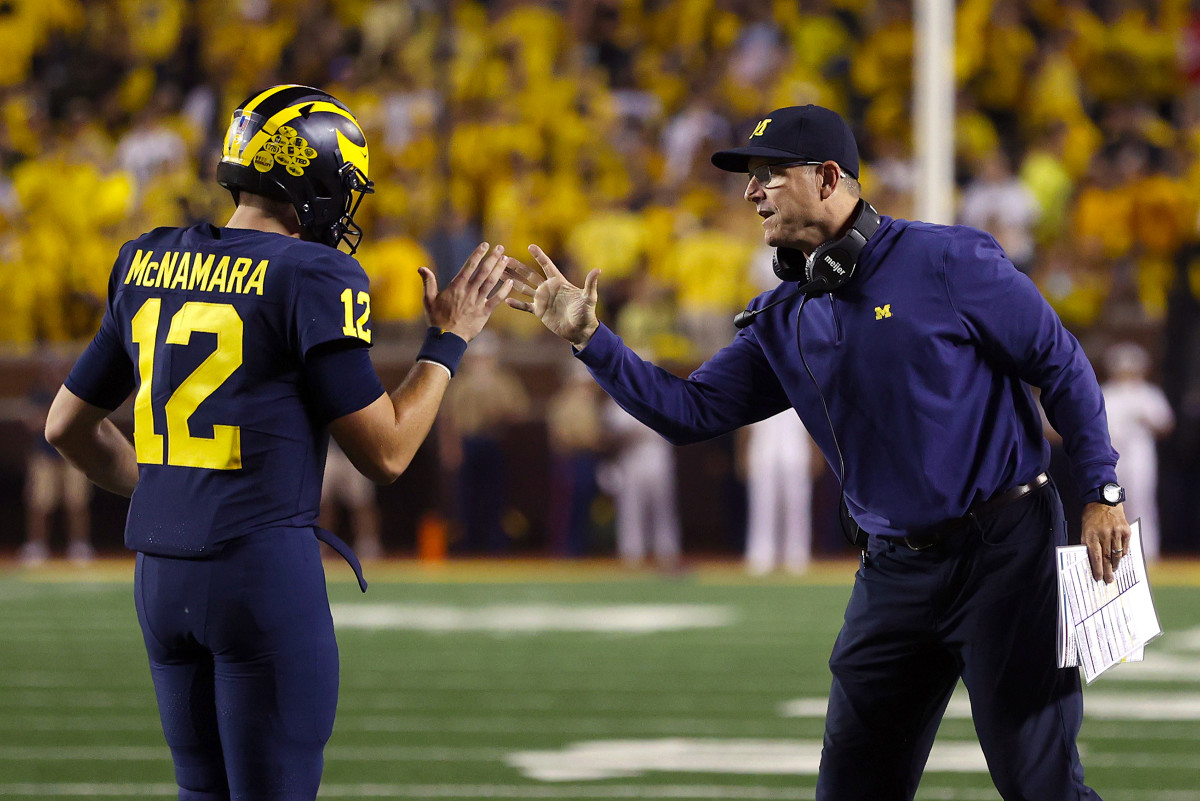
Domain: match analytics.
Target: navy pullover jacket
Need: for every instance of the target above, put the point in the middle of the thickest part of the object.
(925, 361)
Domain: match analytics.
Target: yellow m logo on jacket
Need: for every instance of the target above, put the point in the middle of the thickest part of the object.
(883, 311)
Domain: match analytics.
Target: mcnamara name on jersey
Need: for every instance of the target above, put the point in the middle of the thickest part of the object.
(209, 329)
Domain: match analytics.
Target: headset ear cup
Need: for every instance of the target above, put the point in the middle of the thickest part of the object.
(821, 269)
(832, 264)
(790, 264)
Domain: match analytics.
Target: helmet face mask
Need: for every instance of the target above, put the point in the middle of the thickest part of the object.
(300, 145)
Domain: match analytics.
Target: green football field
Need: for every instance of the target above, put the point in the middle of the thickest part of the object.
(552, 681)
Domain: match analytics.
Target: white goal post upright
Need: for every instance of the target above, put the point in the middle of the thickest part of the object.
(933, 101)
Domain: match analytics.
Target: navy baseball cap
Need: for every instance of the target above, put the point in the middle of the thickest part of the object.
(796, 133)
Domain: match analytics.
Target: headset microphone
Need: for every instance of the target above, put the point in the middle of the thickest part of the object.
(746, 316)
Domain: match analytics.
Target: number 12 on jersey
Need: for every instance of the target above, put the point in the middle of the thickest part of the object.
(223, 451)
(357, 328)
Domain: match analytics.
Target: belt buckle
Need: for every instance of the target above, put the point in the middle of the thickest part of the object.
(913, 546)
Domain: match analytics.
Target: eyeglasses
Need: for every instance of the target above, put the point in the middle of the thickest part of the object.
(766, 174)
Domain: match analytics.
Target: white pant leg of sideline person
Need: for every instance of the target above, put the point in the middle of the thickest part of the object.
(779, 495)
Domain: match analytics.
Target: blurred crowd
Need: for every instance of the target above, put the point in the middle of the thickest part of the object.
(586, 126)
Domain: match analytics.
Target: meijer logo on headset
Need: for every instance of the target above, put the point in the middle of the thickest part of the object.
(832, 262)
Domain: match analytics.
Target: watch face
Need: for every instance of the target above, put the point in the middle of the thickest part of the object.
(1112, 493)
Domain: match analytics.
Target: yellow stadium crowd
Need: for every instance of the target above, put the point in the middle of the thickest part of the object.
(586, 125)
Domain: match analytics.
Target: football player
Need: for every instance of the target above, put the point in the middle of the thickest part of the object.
(246, 346)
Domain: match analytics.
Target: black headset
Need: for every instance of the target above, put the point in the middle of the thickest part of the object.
(829, 268)
(832, 264)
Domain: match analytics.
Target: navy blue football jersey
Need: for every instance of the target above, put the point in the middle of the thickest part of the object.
(210, 327)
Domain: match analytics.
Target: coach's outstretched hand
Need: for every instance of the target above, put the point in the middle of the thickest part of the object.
(465, 305)
(562, 307)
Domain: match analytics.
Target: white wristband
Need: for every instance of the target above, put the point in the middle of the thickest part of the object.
(439, 364)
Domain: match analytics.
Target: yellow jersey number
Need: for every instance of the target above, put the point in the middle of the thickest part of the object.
(223, 451)
(357, 328)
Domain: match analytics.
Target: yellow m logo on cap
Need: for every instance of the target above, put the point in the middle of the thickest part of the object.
(762, 127)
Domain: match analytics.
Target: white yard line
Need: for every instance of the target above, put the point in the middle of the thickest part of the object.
(516, 618)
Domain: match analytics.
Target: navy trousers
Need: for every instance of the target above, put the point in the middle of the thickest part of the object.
(983, 606)
(245, 666)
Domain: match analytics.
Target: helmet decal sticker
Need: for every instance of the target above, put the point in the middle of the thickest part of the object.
(289, 150)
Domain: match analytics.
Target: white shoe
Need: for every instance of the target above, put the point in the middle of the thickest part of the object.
(81, 553)
(32, 554)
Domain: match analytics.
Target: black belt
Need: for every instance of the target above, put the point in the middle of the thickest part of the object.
(941, 532)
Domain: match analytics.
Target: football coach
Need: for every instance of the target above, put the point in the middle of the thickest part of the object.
(908, 349)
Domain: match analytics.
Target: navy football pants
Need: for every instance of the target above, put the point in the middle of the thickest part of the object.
(245, 665)
(984, 606)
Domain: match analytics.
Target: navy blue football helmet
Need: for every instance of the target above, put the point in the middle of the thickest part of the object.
(299, 145)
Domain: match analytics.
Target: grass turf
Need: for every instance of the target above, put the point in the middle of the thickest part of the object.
(443, 711)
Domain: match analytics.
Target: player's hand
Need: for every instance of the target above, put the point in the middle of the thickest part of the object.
(1106, 535)
(465, 305)
(564, 308)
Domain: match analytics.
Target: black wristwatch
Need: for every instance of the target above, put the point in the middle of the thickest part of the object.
(1109, 494)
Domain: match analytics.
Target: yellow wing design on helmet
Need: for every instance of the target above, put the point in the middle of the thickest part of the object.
(355, 154)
